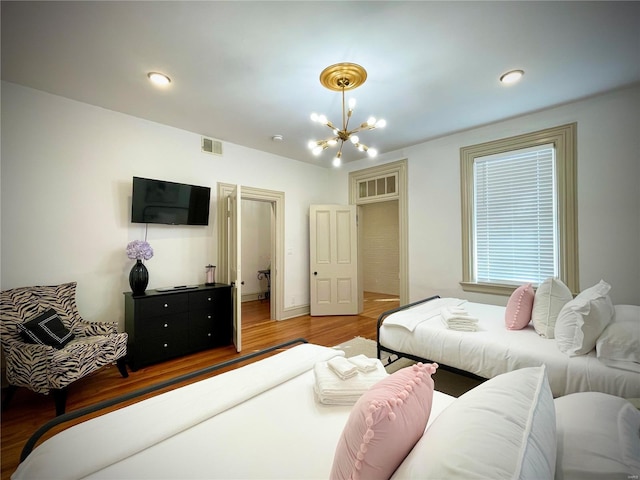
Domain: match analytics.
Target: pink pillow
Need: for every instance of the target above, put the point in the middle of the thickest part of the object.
(519, 307)
(384, 425)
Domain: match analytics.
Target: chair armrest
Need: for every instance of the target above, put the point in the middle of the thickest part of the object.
(28, 365)
(89, 329)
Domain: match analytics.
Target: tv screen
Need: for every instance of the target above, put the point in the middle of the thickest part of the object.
(170, 203)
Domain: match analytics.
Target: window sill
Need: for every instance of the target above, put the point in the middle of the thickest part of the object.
(490, 288)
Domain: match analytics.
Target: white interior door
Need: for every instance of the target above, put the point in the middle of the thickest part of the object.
(235, 263)
(333, 260)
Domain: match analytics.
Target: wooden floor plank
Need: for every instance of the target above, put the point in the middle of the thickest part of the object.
(28, 410)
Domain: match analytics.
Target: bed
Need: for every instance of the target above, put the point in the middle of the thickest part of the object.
(415, 332)
(263, 421)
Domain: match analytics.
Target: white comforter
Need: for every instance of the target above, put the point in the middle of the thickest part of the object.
(493, 350)
(257, 422)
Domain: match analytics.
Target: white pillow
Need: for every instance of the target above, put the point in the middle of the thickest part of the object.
(619, 344)
(503, 428)
(583, 319)
(550, 297)
(597, 437)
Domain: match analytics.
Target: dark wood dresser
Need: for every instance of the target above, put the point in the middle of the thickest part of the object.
(167, 324)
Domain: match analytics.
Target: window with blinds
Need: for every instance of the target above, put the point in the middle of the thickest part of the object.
(519, 211)
(515, 221)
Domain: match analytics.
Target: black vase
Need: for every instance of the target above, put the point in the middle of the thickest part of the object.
(138, 278)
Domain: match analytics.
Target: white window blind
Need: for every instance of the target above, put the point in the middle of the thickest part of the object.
(515, 219)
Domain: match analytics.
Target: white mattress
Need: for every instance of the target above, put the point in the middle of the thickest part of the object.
(493, 350)
(258, 422)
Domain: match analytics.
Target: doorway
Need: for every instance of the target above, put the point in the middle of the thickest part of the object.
(386, 184)
(275, 200)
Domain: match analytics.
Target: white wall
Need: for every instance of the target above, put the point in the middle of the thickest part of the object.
(256, 246)
(608, 196)
(66, 200)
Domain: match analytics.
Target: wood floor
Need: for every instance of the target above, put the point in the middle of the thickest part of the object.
(28, 410)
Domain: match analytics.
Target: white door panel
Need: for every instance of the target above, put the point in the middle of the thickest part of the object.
(235, 263)
(333, 260)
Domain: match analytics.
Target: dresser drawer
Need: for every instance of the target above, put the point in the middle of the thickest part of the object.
(162, 347)
(162, 325)
(164, 305)
(203, 300)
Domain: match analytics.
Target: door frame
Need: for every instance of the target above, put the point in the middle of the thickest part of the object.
(398, 168)
(276, 199)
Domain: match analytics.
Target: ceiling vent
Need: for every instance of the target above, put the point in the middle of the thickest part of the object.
(212, 146)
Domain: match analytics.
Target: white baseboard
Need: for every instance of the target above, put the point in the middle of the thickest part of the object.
(292, 312)
(251, 297)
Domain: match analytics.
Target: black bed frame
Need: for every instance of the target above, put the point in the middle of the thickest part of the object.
(381, 348)
(72, 415)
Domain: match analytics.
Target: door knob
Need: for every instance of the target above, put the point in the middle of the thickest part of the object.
(315, 273)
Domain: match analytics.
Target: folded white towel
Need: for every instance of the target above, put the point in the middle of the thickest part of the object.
(331, 390)
(364, 363)
(463, 316)
(461, 326)
(456, 318)
(410, 318)
(342, 367)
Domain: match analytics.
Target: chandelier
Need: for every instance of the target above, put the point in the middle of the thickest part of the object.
(339, 78)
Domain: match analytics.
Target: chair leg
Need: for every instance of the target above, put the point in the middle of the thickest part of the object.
(11, 390)
(60, 398)
(122, 366)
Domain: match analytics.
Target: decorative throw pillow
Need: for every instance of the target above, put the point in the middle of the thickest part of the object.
(518, 312)
(582, 320)
(503, 428)
(46, 329)
(619, 344)
(597, 437)
(550, 297)
(385, 424)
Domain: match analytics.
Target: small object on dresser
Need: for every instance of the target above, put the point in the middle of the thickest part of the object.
(211, 274)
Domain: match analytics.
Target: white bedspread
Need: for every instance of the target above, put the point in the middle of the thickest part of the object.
(257, 422)
(493, 350)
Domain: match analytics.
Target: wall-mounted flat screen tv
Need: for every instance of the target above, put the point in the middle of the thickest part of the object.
(170, 203)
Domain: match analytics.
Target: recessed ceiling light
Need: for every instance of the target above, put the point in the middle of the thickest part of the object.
(511, 77)
(159, 79)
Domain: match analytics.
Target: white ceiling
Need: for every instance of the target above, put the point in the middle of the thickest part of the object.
(244, 71)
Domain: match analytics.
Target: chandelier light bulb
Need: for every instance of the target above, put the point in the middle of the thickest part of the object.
(322, 119)
(371, 121)
(317, 150)
(352, 103)
(336, 161)
(354, 139)
(333, 142)
(314, 117)
(312, 144)
(372, 152)
(361, 147)
(381, 123)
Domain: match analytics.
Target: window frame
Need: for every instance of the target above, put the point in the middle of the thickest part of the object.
(564, 140)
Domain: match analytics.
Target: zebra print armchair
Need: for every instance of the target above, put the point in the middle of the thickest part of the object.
(47, 345)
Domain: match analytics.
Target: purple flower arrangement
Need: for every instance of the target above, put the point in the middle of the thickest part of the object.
(139, 250)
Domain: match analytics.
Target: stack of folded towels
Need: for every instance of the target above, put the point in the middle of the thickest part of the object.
(342, 381)
(457, 318)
